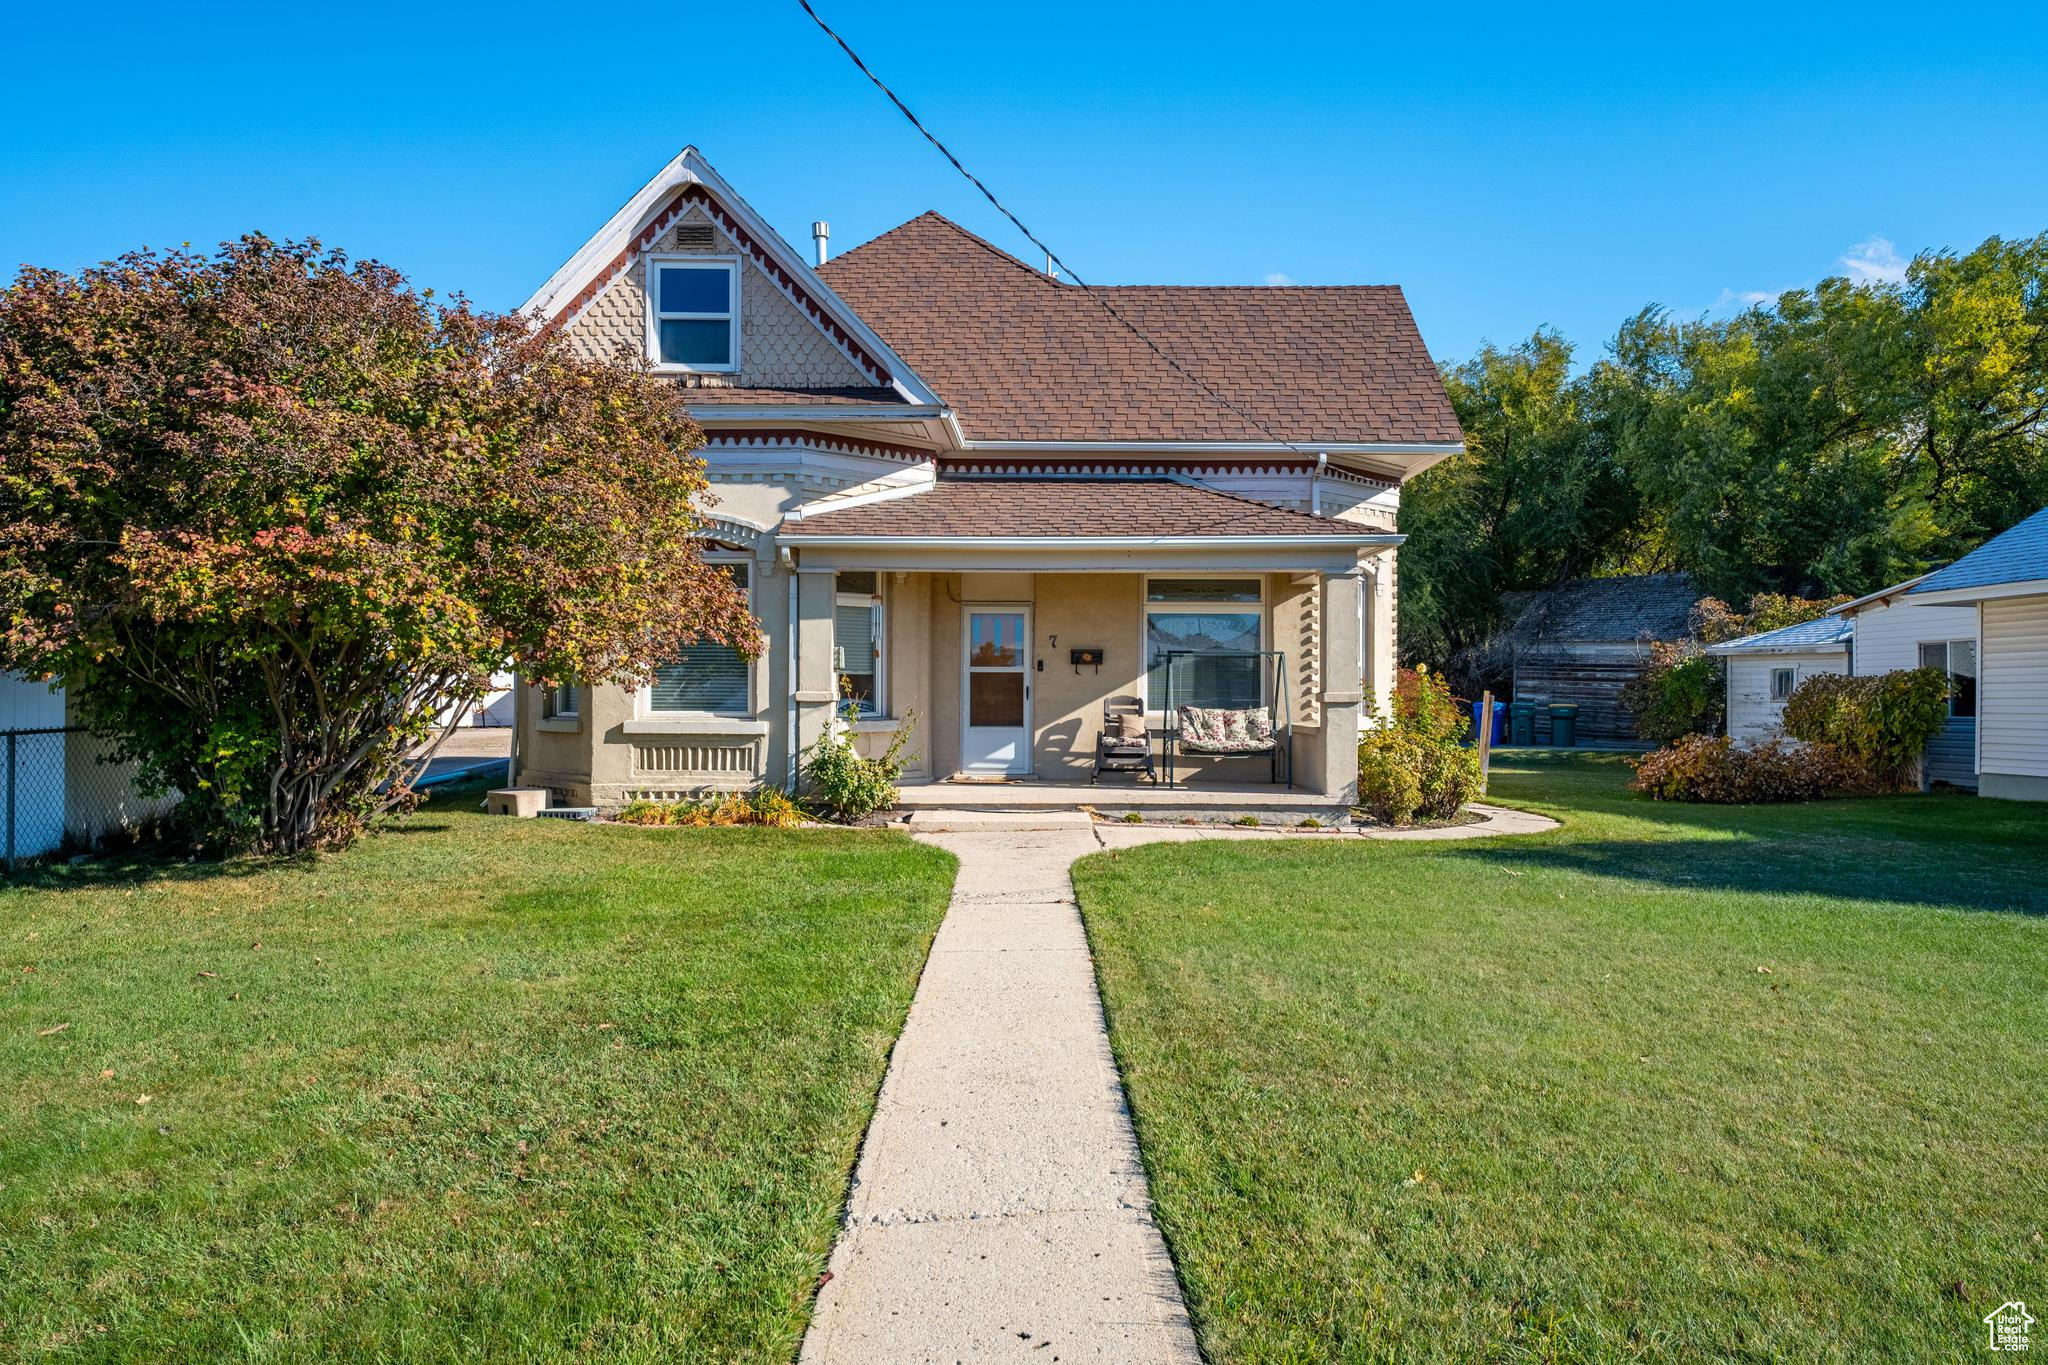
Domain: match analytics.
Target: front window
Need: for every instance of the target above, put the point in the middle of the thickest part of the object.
(1187, 619)
(707, 678)
(1783, 680)
(562, 703)
(694, 305)
(1958, 659)
(857, 643)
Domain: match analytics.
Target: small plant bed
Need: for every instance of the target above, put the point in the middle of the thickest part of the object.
(477, 1089)
(1669, 1083)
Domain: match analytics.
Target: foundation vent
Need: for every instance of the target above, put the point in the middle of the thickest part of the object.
(709, 759)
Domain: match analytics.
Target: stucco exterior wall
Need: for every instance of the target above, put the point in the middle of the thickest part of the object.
(780, 347)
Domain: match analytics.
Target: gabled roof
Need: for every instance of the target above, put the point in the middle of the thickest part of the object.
(1620, 610)
(2017, 557)
(687, 179)
(1024, 358)
(1135, 510)
(1827, 635)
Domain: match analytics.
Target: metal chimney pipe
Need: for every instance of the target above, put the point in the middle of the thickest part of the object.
(821, 233)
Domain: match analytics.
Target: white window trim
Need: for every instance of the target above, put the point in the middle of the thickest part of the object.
(550, 709)
(655, 316)
(1948, 654)
(704, 721)
(1147, 607)
(878, 601)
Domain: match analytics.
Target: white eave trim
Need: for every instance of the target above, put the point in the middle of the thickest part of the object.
(1880, 597)
(1737, 647)
(1989, 592)
(799, 538)
(689, 167)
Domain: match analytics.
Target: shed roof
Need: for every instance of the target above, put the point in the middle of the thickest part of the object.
(1620, 610)
(1827, 635)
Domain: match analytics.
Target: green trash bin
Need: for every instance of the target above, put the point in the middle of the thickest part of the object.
(1564, 724)
(1522, 722)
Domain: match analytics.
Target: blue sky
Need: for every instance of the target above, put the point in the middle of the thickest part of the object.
(1510, 166)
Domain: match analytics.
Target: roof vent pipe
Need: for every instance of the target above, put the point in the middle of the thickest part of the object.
(821, 233)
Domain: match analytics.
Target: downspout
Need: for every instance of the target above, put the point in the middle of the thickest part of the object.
(789, 665)
(1315, 483)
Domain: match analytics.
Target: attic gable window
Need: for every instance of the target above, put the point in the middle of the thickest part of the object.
(693, 313)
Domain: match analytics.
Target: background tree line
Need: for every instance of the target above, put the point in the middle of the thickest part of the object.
(1836, 440)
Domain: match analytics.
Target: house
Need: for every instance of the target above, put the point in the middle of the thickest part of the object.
(1584, 641)
(973, 493)
(1763, 669)
(2003, 677)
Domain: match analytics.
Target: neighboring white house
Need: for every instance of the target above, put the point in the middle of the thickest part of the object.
(1983, 620)
(1763, 669)
(2004, 584)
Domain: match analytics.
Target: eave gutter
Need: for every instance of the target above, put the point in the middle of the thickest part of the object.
(1373, 538)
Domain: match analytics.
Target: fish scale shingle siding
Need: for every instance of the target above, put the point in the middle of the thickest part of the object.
(780, 348)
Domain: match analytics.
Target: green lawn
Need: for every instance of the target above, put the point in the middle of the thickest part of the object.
(486, 1090)
(1673, 1083)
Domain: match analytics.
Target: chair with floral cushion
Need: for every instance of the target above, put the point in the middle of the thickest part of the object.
(1124, 746)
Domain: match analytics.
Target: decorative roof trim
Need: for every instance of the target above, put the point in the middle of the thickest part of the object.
(734, 531)
(772, 439)
(985, 467)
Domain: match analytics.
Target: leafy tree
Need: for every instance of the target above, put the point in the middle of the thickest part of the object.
(264, 514)
(1535, 497)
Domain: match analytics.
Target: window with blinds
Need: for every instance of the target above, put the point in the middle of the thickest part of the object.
(857, 639)
(706, 679)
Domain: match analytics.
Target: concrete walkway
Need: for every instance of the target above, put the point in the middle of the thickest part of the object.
(999, 1210)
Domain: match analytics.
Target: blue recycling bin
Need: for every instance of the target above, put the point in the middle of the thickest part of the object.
(1500, 721)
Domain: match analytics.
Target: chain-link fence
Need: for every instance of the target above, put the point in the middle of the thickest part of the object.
(61, 791)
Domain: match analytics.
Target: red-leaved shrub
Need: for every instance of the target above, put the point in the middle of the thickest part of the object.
(1707, 769)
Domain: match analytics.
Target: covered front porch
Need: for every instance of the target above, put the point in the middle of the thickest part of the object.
(1008, 647)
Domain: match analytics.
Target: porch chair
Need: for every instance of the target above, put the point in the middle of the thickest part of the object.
(1118, 752)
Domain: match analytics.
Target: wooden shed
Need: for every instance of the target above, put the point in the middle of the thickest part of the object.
(1584, 641)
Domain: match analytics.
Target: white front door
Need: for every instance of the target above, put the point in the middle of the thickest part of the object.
(995, 690)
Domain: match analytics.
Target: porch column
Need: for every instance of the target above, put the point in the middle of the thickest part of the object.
(1343, 693)
(817, 685)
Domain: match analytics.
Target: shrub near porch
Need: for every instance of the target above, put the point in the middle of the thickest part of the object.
(1671, 1083)
(478, 1089)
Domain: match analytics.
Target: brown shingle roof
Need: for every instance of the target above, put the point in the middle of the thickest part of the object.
(1023, 357)
(1080, 508)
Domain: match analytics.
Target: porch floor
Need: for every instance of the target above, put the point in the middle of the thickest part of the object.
(1113, 794)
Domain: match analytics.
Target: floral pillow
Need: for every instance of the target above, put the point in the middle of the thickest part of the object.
(1200, 725)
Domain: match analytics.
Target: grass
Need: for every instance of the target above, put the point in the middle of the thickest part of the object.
(1672, 1083)
(478, 1089)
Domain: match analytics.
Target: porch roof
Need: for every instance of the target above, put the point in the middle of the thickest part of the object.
(1125, 511)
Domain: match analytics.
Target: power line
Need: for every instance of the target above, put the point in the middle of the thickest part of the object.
(1032, 237)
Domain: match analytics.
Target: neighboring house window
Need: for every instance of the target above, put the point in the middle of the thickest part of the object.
(1212, 616)
(858, 626)
(1783, 680)
(708, 678)
(561, 703)
(1958, 659)
(693, 305)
